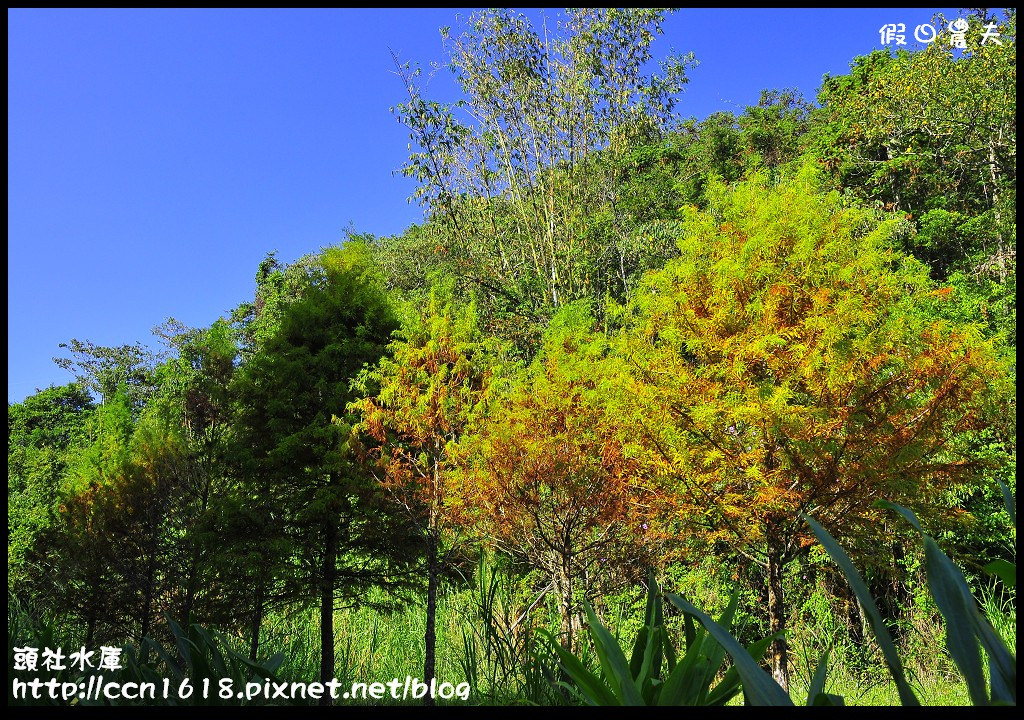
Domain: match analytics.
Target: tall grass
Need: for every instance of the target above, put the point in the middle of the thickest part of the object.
(487, 636)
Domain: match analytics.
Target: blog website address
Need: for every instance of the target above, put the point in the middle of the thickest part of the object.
(97, 688)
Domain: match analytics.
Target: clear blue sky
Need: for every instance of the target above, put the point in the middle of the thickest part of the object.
(155, 156)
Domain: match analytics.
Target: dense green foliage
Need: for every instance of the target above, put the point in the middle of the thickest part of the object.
(622, 343)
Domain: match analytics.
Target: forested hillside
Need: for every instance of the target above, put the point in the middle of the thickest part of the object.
(626, 349)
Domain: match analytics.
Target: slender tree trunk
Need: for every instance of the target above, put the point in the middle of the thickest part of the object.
(430, 637)
(1000, 252)
(563, 585)
(777, 610)
(327, 610)
(91, 632)
(257, 616)
(853, 617)
(902, 601)
(147, 601)
(194, 553)
(93, 610)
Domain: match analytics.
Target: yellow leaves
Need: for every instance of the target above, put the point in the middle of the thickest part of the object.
(755, 474)
(712, 457)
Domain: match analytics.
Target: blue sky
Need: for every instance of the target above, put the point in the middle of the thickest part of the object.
(155, 156)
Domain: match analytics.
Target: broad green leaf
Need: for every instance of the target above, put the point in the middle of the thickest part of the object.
(729, 686)
(944, 580)
(828, 700)
(1006, 571)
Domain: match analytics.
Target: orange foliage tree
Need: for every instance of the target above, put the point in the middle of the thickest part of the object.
(790, 361)
(553, 482)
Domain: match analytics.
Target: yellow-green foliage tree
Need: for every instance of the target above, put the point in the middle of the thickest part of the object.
(790, 361)
(418, 401)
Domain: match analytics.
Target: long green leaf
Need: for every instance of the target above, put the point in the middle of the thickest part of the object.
(714, 652)
(965, 625)
(670, 653)
(643, 638)
(641, 646)
(1008, 501)
(760, 688)
(729, 686)
(688, 630)
(682, 684)
(645, 677)
(892, 659)
(593, 688)
(818, 681)
(613, 662)
(957, 611)
(907, 513)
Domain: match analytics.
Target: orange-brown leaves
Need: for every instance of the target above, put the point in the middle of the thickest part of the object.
(799, 366)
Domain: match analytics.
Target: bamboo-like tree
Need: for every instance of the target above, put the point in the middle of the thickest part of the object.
(512, 172)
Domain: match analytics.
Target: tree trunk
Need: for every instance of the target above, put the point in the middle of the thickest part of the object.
(327, 610)
(563, 585)
(429, 637)
(147, 600)
(194, 559)
(257, 616)
(91, 632)
(1000, 252)
(93, 611)
(777, 610)
(901, 597)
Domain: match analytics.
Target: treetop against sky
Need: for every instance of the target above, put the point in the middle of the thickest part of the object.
(155, 156)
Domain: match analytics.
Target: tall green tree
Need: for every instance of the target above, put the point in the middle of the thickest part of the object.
(108, 371)
(195, 400)
(932, 134)
(289, 393)
(77, 560)
(42, 431)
